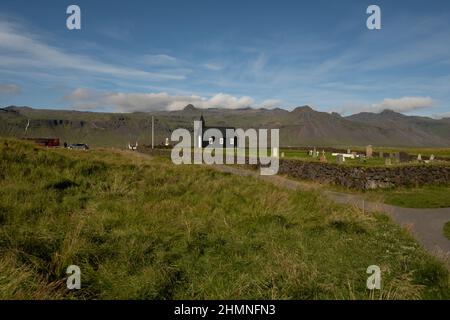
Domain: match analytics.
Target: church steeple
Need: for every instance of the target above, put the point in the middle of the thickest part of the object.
(202, 120)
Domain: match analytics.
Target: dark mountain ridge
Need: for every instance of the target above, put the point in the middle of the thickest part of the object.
(303, 126)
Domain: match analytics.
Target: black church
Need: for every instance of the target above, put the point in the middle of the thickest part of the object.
(218, 142)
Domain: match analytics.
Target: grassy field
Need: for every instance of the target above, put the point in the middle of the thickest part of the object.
(431, 196)
(140, 227)
(447, 230)
(422, 197)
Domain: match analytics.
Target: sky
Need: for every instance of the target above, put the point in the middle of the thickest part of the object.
(162, 55)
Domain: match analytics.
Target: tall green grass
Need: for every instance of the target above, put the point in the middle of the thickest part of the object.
(433, 196)
(140, 227)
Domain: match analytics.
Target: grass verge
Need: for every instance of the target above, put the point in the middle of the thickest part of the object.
(422, 197)
(140, 227)
(447, 230)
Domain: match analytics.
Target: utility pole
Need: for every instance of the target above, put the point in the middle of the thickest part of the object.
(28, 125)
(153, 132)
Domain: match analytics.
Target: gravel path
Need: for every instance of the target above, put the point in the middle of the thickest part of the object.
(425, 224)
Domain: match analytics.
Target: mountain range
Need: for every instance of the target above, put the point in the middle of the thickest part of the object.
(302, 126)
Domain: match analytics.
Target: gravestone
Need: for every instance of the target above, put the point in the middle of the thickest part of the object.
(369, 151)
(403, 156)
(315, 153)
(340, 158)
(275, 153)
(432, 157)
(419, 157)
(397, 157)
(282, 154)
(381, 154)
(388, 161)
(348, 151)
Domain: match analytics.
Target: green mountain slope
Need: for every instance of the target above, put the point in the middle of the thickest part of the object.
(302, 126)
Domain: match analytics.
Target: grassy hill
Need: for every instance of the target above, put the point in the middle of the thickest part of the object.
(302, 126)
(140, 227)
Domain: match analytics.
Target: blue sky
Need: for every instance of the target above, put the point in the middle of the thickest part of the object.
(161, 55)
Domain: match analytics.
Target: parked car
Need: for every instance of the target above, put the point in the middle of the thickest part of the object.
(79, 146)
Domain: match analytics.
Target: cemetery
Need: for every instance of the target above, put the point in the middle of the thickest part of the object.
(364, 170)
(368, 157)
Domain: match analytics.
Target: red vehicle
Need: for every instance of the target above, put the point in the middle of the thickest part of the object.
(45, 142)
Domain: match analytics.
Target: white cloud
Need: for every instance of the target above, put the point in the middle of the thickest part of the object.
(21, 49)
(80, 94)
(128, 102)
(227, 101)
(441, 115)
(85, 99)
(271, 103)
(405, 104)
(402, 105)
(8, 88)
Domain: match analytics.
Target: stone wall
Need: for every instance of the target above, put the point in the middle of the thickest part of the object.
(354, 177)
(155, 152)
(364, 178)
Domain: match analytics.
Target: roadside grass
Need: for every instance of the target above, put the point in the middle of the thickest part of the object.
(140, 227)
(423, 197)
(447, 230)
(430, 196)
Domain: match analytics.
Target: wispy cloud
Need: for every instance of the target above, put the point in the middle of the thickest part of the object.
(21, 49)
(212, 66)
(8, 88)
(327, 68)
(160, 60)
